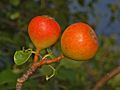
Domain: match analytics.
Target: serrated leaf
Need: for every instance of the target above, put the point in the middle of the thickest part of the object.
(20, 57)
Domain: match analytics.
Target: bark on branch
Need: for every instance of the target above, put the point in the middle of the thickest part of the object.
(106, 78)
(33, 68)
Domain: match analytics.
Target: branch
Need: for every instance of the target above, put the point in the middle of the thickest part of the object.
(106, 78)
(33, 68)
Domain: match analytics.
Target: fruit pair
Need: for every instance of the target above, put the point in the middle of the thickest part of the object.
(78, 41)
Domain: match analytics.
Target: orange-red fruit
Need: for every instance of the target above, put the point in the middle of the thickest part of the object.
(43, 31)
(79, 42)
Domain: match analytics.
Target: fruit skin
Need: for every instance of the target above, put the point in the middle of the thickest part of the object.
(44, 31)
(79, 42)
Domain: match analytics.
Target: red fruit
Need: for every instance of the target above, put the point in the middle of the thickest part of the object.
(79, 42)
(43, 31)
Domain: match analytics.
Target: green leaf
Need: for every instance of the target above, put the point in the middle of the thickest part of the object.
(71, 64)
(67, 74)
(115, 81)
(51, 56)
(15, 15)
(46, 70)
(20, 57)
(14, 2)
(7, 76)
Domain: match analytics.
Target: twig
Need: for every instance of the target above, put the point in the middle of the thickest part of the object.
(106, 78)
(33, 68)
(36, 55)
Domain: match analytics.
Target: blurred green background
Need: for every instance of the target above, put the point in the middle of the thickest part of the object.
(102, 15)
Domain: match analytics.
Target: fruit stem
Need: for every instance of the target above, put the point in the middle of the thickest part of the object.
(36, 55)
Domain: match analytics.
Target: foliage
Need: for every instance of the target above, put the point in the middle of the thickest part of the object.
(70, 75)
(21, 56)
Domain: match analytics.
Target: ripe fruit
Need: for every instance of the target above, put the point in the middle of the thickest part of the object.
(79, 42)
(43, 31)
